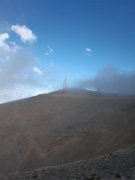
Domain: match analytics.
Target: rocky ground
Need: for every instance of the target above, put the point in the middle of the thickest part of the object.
(118, 165)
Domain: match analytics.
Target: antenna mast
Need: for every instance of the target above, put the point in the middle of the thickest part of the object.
(65, 83)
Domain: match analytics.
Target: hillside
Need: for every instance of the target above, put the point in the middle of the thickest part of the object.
(118, 165)
(62, 127)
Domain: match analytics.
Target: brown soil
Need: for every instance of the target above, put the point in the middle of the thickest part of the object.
(62, 127)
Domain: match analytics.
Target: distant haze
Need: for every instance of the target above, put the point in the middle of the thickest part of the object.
(111, 80)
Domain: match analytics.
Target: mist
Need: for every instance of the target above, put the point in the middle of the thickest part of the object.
(17, 78)
(111, 80)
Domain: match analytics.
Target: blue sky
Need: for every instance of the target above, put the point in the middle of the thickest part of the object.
(76, 38)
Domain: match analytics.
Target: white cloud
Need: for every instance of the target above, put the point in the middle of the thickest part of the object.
(24, 32)
(88, 51)
(50, 51)
(3, 37)
(37, 70)
(12, 42)
(4, 46)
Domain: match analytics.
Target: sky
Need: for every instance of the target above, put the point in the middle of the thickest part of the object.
(90, 42)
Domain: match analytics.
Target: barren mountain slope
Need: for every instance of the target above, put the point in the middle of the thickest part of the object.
(62, 127)
(118, 165)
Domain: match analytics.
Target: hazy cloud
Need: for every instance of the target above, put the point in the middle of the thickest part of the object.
(19, 76)
(19, 68)
(37, 70)
(15, 70)
(111, 80)
(16, 79)
(3, 37)
(50, 51)
(24, 32)
(88, 51)
(3, 45)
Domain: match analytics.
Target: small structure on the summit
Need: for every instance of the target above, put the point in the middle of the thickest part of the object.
(65, 83)
(98, 91)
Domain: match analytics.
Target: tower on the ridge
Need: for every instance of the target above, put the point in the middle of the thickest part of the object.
(65, 83)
